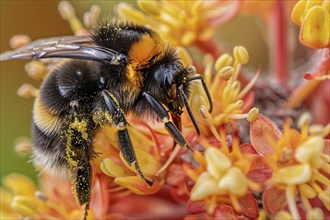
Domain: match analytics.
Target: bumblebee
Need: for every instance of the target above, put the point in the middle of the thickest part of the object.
(120, 68)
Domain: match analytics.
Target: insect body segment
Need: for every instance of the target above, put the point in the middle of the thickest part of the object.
(120, 69)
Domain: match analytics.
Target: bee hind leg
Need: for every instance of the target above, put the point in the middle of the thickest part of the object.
(125, 143)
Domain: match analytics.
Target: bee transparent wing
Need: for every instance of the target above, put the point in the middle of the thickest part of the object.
(74, 47)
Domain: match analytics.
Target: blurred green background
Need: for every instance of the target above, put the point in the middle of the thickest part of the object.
(40, 19)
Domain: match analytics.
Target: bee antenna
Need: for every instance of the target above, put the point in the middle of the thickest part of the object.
(205, 89)
(185, 100)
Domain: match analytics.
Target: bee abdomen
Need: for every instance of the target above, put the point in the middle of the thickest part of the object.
(48, 154)
(47, 122)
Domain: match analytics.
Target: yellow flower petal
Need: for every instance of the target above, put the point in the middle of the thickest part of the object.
(217, 162)
(26, 201)
(315, 30)
(234, 181)
(324, 197)
(24, 205)
(110, 168)
(315, 213)
(205, 186)
(296, 174)
(310, 151)
(137, 185)
(19, 184)
(283, 215)
(147, 162)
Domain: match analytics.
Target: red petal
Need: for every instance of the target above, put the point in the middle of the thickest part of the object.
(100, 197)
(247, 149)
(195, 207)
(259, 172)
(147, 207)
(176, 175)
(224, 212)
(273, 200)
(262, 129)
(249, 206)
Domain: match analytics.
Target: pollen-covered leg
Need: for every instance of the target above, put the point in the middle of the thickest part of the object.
(169, 125)
(125, 144)
(77, 137)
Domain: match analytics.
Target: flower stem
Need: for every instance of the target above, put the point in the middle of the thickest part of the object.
(279, 48)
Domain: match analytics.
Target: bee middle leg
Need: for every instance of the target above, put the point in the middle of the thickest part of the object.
(169, 125)
(125, 143)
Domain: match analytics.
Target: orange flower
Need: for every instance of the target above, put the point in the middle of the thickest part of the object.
(299, 164)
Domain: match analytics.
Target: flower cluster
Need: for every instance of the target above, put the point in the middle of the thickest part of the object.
(245, 164)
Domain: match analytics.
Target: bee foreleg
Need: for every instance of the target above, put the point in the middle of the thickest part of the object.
(169, 125)
(125, 143)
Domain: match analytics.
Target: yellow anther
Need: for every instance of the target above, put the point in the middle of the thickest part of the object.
(316, 129)
(297, 13)
(226, 72)
(125, 10)
(234, 106)
(307, 191)
(310, 151)
(23, 146)
(326, 5)
(151, 7)
(324, 197)
(36, 70)
(196, 7)
(304, 119)
(19, 40)
(66, 10)
(253, 114)
(315, 30)
(68, 13)
(91, 17)
(241, 55)
(27, 91)
(223, 61)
